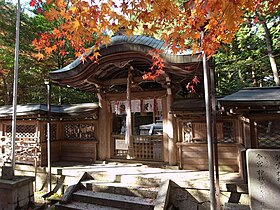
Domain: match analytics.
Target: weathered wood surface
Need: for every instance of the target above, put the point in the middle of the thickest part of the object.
(78, 151)
(194, 156)
(55, 152)
(145, 147)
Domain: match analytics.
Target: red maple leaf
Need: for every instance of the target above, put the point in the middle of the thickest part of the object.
(195, 80)
(32, 3)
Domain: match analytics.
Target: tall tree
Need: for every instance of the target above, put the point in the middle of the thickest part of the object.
(31, 88)
(7, 38)
(264, 19)
(245, 62)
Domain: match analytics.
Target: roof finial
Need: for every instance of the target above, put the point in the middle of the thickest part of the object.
(120, 32)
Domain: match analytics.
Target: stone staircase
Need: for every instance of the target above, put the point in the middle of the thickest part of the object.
(142, 187)
(87, 199)
(109, 194)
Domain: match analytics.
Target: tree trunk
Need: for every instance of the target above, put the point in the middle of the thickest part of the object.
(6, 92)
(273, 64)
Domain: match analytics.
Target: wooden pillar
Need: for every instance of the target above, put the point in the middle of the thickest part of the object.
(246, 126)
(60, 130)
(237, 128)
(108, 132)
(128, 133)
(104, 135)
(253, 134)
(165, 127)
(246, 132)
(170, 121)
(249, 133)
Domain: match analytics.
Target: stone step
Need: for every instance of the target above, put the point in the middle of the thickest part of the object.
(122, 188)
(146, 179)
(154, 180)
(117, 178)
(235, 206)
(141, 179)
(82, 206)
(113, 200)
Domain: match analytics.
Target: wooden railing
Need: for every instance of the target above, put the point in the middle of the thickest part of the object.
(145, 147)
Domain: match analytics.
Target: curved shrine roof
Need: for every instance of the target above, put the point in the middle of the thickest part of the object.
(110, 72)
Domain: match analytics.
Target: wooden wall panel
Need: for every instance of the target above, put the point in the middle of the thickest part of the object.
(80, 151)
(55, 152)
(195, 156)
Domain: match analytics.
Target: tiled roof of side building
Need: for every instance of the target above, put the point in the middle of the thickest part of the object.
(71, 109)
(253, 95)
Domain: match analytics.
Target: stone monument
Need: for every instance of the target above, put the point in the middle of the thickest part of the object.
(264, 178)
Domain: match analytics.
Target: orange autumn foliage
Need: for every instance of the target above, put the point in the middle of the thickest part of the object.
(178, 25)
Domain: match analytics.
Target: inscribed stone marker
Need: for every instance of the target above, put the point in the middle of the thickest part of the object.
(264, 178)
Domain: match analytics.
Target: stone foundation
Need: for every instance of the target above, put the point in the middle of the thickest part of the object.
(16, 193)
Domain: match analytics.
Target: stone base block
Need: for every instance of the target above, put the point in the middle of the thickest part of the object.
(235, 206)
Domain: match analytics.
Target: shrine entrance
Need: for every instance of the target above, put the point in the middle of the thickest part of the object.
(147, 129)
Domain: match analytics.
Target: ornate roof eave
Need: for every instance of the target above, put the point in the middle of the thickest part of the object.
(122, 49)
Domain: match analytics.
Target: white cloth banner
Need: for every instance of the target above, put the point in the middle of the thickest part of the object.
(148, 105)
(119, 107)
(113, 106)
(122, 107)
(135, 106)
(159, 104)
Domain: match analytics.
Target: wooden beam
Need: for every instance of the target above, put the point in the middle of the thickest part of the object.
(136, 95)
(122, 81)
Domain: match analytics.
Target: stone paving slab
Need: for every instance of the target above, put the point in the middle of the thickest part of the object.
(116, 197)
(86, 206)
(115, 168)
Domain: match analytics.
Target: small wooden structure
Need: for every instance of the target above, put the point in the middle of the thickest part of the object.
(192, 140)
(246, 119)
(256, 112)
(73, 129)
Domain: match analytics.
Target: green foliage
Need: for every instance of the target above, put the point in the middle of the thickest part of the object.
(31, 88)
(72, 96)
(244, 62)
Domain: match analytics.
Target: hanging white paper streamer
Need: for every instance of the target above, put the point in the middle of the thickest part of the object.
(148, 105)
(135, 106)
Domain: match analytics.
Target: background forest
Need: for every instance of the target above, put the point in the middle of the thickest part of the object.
(243, 63)
(32, 73)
